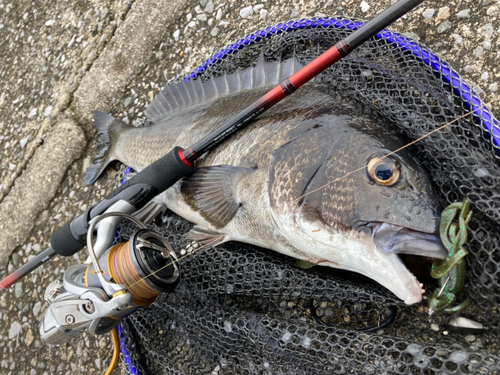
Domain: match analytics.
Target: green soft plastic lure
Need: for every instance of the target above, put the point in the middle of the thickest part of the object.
(451, 270)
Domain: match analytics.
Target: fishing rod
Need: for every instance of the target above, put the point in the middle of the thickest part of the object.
(179, 163)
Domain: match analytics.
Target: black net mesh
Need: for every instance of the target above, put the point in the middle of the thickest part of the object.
(245, 310)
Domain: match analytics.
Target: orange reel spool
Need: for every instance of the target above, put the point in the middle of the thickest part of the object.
(146, 265)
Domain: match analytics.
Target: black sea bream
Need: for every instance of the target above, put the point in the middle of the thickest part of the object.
(266, 185)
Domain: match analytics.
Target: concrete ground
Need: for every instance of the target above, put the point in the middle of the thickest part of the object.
(62, 59)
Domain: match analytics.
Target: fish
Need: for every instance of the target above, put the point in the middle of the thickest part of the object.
(307, 179)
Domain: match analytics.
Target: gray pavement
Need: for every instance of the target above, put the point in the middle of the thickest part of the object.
(62, 59)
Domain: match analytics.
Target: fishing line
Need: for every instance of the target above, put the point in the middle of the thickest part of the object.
(124, 271)
(399, 149)
(221, 237)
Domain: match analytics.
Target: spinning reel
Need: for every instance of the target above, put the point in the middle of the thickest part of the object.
(119, 279)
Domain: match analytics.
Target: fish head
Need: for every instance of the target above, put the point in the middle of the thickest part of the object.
(338, 198)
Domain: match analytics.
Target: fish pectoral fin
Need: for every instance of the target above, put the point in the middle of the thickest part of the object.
(212, 191)
(205, 236)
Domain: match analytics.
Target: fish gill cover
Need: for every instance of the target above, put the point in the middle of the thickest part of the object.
(245, 310)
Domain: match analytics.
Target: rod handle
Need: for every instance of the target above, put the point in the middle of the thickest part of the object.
(137, 191)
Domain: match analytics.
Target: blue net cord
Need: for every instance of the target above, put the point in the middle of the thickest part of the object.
(449, 76)
(125, 355)
(127, 171)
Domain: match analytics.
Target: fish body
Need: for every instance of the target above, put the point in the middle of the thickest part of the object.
(286, 181)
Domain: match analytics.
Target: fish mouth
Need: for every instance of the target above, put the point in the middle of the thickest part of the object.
(400, 240)
(391, 240)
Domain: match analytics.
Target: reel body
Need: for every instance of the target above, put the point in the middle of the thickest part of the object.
(123, 278)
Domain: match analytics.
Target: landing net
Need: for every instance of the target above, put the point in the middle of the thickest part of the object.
(245, 310)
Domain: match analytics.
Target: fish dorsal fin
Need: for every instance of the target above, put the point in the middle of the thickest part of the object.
(213, 192)
(185, 94)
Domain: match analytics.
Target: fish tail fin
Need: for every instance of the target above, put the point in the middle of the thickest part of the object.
(108, 130)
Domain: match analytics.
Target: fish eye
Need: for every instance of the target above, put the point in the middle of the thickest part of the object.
(385, 172)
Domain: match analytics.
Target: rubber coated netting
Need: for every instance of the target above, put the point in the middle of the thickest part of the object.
(245, 310)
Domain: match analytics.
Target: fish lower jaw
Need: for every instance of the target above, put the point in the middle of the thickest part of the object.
(414, 298)
(402, 283)
(399, 280)
(410, 292)
(356, 253)
(386, 269)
